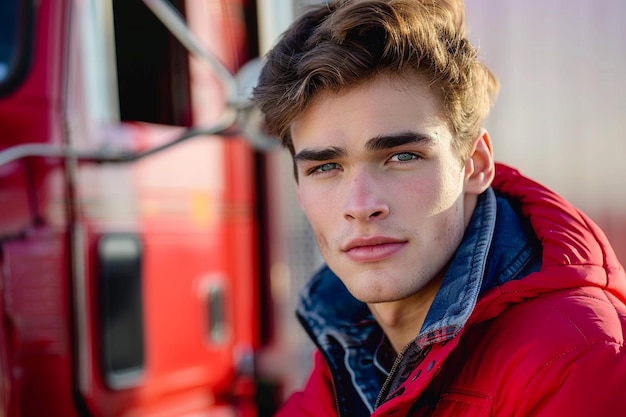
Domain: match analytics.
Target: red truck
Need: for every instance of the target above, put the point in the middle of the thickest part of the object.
(131, 220)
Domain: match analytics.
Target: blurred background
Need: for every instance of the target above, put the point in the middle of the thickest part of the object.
(151, 254)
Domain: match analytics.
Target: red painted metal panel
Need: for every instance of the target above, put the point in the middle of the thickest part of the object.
(36, 324)
(35, 341)
(197, 224)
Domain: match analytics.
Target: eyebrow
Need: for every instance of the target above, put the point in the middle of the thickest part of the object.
(377, 143)
(383, 142)
(323, 154)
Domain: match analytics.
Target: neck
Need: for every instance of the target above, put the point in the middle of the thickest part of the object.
(402, 320)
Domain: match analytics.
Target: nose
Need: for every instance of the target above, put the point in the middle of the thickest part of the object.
(365, 201)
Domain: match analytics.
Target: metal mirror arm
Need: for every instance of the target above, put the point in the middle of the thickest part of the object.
(44, 150)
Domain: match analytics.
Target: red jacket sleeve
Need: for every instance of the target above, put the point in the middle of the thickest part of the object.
(318, 397)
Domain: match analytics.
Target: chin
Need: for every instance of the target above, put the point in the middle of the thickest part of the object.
(371, 285)
(377, 295)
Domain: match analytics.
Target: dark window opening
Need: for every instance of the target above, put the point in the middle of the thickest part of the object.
(152, 67)
(16, 33)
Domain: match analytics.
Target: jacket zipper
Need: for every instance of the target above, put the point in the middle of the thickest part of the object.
(394, 370)
(336, 397)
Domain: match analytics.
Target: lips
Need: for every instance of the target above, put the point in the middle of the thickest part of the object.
(373, 249)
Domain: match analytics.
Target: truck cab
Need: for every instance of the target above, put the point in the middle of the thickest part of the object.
(132, 264)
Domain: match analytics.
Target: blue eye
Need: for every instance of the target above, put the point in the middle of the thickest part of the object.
(321, 169)
(327, 167)
(403, 157)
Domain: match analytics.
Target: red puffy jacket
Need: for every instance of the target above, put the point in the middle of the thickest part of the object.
(550, 344)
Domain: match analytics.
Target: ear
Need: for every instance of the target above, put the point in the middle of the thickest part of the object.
(479, 165)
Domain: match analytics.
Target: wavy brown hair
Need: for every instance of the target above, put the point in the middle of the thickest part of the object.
(347, 42)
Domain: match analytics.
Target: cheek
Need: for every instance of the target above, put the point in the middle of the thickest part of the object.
(429, 197)
(322, 228)
(317, 209)
(308, 203)
(306, 199)
(447, 192)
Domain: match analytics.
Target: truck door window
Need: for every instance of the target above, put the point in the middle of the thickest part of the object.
(152, 67)
(8, 35)
(15, 42)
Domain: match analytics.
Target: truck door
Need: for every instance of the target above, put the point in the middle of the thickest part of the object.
(130, 265)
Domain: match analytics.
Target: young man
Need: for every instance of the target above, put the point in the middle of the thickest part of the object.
(454, 286)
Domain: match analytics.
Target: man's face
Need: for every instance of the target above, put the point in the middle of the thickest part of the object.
(381, 185)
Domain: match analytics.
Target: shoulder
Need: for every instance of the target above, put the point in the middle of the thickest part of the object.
(560, 344)
(553, 325)
(568, 318)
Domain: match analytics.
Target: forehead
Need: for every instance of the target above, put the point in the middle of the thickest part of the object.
(385, 104)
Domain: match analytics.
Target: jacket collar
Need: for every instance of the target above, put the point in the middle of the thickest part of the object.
(479, 265)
